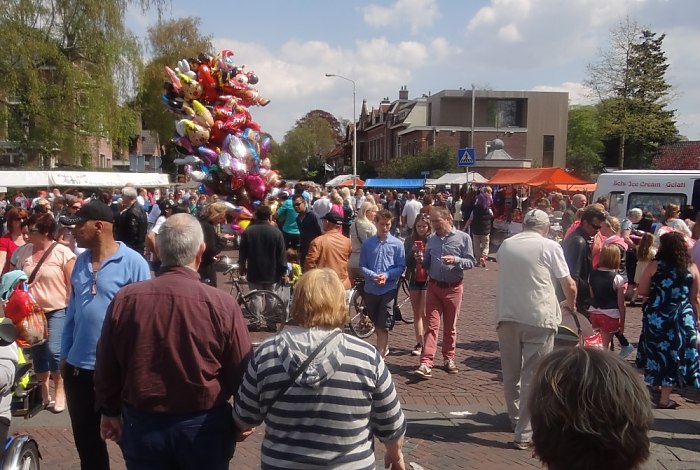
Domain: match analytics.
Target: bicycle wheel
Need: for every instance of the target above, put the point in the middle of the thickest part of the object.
(264, 310)
(403, 303)
(360, 324)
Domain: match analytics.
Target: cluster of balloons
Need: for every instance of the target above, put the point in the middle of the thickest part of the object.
(220, 144)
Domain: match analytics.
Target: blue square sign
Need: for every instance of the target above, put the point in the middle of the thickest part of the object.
(466, 156)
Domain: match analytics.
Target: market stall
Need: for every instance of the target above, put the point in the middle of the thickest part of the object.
(395, 183)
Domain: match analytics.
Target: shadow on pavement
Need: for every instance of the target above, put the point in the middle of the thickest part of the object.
(692, 445)
(467, 429)
(480, 345)
(675, 426)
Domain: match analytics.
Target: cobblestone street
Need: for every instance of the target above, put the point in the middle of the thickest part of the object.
(455, 421)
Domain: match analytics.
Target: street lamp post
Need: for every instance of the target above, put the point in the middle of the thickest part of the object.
(354, 129)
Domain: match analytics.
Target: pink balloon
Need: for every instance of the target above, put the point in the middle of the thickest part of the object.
(256, 186)
(265, 147)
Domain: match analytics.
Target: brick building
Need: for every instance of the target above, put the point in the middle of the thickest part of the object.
(532, 125)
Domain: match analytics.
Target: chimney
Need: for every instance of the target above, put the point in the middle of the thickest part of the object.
(403, 93)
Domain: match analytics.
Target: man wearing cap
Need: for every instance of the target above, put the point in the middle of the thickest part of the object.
(382, 262)
(105, 267)
(528, 312)
(331, 250)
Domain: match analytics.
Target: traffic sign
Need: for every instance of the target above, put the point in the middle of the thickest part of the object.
(466, 156)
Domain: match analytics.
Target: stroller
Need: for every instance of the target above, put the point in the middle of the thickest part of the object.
(575, 330)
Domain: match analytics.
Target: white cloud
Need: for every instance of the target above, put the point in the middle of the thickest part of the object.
(578, 94)
(417, 13)
(509, 34)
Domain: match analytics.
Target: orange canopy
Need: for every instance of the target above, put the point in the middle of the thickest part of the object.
(349, 183)
(548, 178)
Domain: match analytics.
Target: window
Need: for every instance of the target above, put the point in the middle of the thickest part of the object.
(616, 203)
(654, 202)
(547, 151)
(504, 113)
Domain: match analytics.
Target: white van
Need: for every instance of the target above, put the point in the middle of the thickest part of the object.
(649, 190)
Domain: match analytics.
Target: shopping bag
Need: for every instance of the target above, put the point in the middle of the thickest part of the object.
(28, 317)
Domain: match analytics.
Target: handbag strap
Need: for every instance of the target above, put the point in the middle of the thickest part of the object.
(41, 261)
(303, 366)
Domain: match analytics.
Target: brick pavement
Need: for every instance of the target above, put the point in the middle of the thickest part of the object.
(455, 421)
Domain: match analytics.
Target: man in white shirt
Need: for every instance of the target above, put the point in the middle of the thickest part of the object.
(528, 312)
(322, 205)
(410, 211)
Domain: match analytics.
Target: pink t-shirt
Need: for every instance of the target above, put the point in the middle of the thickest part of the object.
(51, 286)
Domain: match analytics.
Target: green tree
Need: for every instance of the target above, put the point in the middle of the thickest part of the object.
(310, 137)
(584, 141)
(67, 69)
(438, 161)
(630, 81)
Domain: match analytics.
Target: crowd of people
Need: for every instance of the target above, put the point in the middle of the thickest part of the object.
(114, 368)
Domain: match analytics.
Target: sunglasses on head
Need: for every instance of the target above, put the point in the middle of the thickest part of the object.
(297, 204)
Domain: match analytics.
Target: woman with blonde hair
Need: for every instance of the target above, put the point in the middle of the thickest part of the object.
(211, 218)
(295, 379)
(362, 228)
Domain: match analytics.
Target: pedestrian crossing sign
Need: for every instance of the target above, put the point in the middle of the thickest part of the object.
(466, 156)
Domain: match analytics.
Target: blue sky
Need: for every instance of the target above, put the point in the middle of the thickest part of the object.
(431, 45)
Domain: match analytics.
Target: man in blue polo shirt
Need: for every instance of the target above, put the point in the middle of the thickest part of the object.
(104, 268)
(382, 261)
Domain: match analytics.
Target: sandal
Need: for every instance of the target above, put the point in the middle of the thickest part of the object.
(671, 405)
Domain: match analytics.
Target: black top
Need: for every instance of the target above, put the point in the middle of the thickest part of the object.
(309, 228)
(213, 246)
(131, 226)
(604, 293)
(577, 252)
(481, 220)
(263, 253)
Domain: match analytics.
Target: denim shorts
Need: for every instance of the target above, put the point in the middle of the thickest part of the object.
(46, 356)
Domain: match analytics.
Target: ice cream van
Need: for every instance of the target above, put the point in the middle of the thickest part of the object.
(649, 190)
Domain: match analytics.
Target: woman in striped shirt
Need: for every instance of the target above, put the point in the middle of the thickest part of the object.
(329, 416)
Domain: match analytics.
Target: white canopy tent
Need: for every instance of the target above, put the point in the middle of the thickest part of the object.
(103, 179)
(459, 178)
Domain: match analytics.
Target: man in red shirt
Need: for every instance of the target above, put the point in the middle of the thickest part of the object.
(171, 355)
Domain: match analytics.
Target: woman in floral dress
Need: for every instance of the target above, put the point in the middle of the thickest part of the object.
(668, 343)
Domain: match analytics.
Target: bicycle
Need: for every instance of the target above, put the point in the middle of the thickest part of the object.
(360, 324)
(262, 308)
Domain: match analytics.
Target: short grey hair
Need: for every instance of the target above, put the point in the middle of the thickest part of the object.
(179, 239)
(129, 192)
(636, 212)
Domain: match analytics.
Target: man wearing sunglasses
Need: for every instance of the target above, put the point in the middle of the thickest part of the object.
(578, 254)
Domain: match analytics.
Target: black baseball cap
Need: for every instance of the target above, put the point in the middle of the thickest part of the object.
(333, 218)
(94, 210)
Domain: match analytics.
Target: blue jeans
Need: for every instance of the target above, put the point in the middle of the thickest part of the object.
(46, 356)
(154, 441)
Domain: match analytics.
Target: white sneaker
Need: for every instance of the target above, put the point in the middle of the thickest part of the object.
(626, 351)
(417, 350)
(423, 371)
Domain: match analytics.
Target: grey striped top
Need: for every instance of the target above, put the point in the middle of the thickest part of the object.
(328, 419)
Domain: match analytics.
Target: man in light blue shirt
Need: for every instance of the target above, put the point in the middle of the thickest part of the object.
(104, 268)
(382, 261)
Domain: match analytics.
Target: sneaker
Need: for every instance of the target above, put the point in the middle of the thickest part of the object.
(423, 371)
(417, 350)
(626, 351)
(525, 445)
(450, 366)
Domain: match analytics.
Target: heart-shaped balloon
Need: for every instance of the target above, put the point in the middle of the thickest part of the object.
(255, 186)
